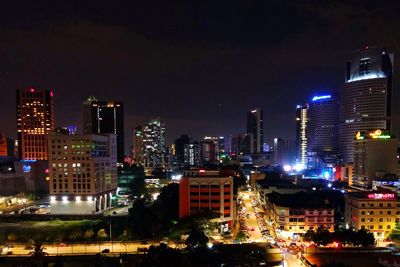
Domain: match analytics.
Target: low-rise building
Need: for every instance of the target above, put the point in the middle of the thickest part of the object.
(82, 172)
(281, 186)
(377, 211)
(202, 191)
(297, 213)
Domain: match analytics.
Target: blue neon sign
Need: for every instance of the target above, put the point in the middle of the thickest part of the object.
(321, 97)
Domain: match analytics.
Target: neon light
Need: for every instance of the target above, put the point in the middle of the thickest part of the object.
(32, 90)
(51, 93)
(381, 196)
(321, 97)
(26, 168)
(202, 171)
(367, 77)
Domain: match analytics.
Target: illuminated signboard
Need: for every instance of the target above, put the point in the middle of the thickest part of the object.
(26, 168)
(321, 97)
(381, 196)
(377, 134)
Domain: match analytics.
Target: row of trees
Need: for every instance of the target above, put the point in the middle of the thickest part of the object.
(157, 218)
(346, 237)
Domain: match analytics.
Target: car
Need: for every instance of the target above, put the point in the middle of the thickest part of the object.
(144, 242)
(293, 244)
(114, 212)
(106, 250)
(280, 240)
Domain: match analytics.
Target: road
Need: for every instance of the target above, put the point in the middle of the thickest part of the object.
(255, 235)
(115, 247)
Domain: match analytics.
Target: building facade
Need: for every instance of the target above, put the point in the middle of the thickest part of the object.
(366, 96)
(138, 145)
(82, 172)
(35, 119)
(297, 213)
(207, 191)
(376, 154)
(323, 130)
(255, 127)
(376, 211)
(192, 155)
(105, 117)
(301, 133)
(154, 144)
(284, 152)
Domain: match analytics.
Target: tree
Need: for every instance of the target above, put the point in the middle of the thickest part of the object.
(102, 234)
(365, 238)
(196, 238)
(38, 255)
(12, 237)
(75, 235)
(241, 236)
(395, 233)
(309, 235)
(137, 186)
(88, 234)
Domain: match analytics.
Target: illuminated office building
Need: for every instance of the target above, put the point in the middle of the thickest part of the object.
(301, 133)
(154, 144)
(219, 142)
(82, 172)
(240, 145)
(376, 211)
(322, 131)
(255, 127)
(105, 117)
(192, 155)
(35, 118)
(366, 96)
(375, 155)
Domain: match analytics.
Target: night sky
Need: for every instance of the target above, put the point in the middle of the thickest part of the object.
(199, 65)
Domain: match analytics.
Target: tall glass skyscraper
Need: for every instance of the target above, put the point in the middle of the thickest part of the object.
(105, 117)
(154, 144)
(366, 96)
(255, 127)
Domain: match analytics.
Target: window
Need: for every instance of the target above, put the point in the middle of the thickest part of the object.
(388, 226)
(365, 64)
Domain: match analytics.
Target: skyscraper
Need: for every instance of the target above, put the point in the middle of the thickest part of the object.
(154, 144)
(322, 129)
(105, 117)
(180, 144)
(138, 145)
(35, 118)
(366, 96)
(255, 127)
(301, 133)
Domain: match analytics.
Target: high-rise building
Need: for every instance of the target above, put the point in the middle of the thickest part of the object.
(366, 96)
(105, 117)
(82, 172)
(154, 144)
(180, 144)
(138, 145)
(192, 155)
(219, 142)
(255, 128)
(301, 133)
(240, 145)
(35, 118)
(208, 152)
(284, 152)
(3, 146)
(375, 155)
(323, 131)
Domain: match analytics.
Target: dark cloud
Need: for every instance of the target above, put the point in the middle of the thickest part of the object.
(198, 64)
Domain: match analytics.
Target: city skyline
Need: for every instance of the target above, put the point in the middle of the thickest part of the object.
(160, 66)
